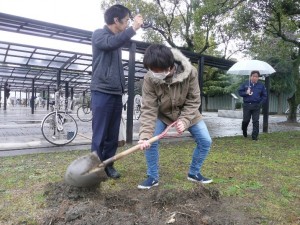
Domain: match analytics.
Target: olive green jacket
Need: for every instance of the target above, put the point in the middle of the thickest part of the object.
(176, 97)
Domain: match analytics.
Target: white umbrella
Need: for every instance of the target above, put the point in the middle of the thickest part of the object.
(246, 66)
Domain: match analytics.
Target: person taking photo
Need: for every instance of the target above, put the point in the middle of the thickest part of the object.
(108, 80)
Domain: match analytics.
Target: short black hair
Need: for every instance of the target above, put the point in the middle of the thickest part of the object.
(255, 71)
(158, 56)
(116, 11)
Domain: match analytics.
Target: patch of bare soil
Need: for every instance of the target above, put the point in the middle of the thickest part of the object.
(78, 206)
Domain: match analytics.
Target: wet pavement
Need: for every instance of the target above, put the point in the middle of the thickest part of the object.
(20, 131)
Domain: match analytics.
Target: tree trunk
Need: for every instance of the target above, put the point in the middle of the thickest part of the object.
(279, 104)
(292, 109)
(295, 99)
(206, 102)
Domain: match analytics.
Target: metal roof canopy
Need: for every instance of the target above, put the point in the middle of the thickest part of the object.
(73, 66)
(22, 63)
(24, 25)
(28, 26)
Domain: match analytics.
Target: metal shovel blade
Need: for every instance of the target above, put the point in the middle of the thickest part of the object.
(78, 172)
(88, 170)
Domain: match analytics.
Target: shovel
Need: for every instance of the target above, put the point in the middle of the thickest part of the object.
(88, 170)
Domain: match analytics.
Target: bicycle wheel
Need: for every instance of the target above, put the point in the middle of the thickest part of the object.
(84, 113)
(287, 111)
(137, 112)
(59, 128)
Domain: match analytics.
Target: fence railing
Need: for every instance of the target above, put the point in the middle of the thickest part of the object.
(225, 102)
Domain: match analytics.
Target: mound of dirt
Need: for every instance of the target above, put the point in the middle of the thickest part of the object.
(78, 206)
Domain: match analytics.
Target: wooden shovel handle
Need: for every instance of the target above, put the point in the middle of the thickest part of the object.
(136, 147)
(127, 152)
(130, 150)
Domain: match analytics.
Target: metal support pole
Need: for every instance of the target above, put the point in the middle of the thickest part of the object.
(48, 98)
(67, 90)
(20, 98)
(26, 98)
(266, 107)
(32, 97)
(0, 94)
(5, 96)
(66, 95)
(83, 97)
(5, 102)
(200, 77)
(72, 94)
(58, 79)
(131, 74)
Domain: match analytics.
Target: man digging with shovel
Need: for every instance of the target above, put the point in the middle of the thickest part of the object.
(171, 93)
(171, 98)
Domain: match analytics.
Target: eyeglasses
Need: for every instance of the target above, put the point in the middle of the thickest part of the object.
(126, 21)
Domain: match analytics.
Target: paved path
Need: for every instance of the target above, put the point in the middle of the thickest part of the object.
(20, 131)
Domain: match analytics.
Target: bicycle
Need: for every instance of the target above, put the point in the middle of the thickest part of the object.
(287, 112)
(84, 112)
(59, 127)
(137, 106)
(137, 112)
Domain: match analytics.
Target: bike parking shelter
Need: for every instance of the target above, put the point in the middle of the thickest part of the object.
(35, 68)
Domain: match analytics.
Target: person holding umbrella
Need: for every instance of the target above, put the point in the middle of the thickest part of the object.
(254, 95)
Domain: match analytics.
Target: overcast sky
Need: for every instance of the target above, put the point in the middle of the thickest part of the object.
(81, 14)
(84, 14)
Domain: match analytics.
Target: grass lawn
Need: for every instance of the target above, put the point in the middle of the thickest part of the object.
(265, 174)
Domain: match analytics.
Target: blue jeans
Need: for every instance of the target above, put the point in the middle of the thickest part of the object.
(202, 138)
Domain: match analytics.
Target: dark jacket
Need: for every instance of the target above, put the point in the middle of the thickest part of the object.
(108, 74)
(259, 93)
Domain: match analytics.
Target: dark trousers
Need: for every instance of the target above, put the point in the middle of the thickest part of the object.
(107, 110)
(251, 110)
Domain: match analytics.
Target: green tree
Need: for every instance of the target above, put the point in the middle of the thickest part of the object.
(278, 54)
(276, 19)
(173, 23)
(216, 83)
(186, 25)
